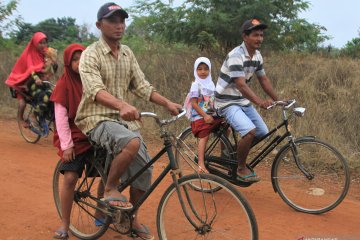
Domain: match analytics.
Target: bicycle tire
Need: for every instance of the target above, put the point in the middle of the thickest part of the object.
(330, 171)
(219, 215)
(187, 138)
(82, 223)
(29, 135)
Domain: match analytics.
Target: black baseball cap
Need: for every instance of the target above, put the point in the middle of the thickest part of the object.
(253, 24)
(109, 9)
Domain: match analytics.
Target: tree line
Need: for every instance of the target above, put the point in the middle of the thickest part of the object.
(212, 25)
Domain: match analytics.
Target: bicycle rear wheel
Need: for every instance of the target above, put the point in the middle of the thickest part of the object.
(328, 181)
(212, 215)
(87, 191)
(29, 135)
(217, 147)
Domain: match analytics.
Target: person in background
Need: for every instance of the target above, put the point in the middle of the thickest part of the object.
(27, 71)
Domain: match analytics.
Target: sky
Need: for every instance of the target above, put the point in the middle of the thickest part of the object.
(340, 18)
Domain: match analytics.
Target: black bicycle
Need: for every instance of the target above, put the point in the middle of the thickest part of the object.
(39, 126)
(183, 213)
(310, 175)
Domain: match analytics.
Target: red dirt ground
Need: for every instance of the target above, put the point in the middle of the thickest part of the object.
(27, 208)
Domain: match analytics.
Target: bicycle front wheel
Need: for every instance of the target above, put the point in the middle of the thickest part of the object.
(29, 135)
(205, 215)
(217, 147)
(83, 215)
(311, 176)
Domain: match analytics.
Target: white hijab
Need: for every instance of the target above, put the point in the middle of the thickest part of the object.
(207, 85)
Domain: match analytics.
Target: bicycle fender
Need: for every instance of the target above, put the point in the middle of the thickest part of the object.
(305, 137)
(184, 131)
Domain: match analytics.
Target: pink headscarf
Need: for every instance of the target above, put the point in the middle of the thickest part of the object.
(31, 60)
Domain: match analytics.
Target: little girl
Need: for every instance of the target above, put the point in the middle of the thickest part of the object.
(74, 147)
(202, 115)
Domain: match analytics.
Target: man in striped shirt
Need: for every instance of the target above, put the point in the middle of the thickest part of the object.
(234, 97)
(109, 71)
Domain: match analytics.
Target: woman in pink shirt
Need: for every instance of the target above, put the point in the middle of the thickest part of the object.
(74, 147)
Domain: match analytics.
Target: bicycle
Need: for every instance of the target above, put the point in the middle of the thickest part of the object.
(182, 212)
(311, 176)
(38, 127)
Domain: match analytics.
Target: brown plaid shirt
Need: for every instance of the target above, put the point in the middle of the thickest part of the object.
(99, 70)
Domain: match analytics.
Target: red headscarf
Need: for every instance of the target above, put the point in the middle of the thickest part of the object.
(68, 92)
(31, 60)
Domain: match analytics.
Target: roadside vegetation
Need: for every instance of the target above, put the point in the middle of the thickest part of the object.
(166, 40)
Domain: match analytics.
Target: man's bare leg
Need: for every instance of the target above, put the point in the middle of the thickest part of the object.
(117, 169)
(20, 114)
(242, 150)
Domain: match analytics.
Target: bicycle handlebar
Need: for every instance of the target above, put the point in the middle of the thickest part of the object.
(285, 104)
(50, 83)
(164, 121)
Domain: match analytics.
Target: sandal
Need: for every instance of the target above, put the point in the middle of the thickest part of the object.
(250, 178)
(99, 222)
(139, 233)
(121, 199)
(61, 234)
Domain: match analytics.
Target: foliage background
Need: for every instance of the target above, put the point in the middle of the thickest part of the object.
(166, 43)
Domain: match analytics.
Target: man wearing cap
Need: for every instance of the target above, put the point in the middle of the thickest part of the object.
(234, 97)
(109, 71)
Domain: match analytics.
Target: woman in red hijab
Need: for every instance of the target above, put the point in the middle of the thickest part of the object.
(73, 145)
(30, 62)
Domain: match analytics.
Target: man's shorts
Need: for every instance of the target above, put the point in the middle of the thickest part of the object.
(114, 136)
(78, 164)
(244, 119)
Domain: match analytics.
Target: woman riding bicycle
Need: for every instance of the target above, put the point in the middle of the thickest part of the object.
(36, 63)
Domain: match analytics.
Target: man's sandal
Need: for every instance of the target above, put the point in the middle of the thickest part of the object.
(250, 178)
(143, 234)
(121, 199)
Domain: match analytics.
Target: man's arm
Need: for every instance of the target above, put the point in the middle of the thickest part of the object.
(126, 111)
(247, 92)
(173, 108)
(267, 86)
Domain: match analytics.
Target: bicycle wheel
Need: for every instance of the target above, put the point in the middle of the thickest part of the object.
(217, 147)
(82, 219)
(328, 181)
(214, 215)
(29, 135)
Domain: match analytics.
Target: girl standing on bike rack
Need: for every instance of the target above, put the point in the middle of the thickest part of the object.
(74, 147)
(199, 104)
(27, 73)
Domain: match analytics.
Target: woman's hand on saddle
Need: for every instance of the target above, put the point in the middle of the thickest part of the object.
(68, 155)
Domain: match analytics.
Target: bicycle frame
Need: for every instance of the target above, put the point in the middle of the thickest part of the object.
(172, 167)
(259, 157)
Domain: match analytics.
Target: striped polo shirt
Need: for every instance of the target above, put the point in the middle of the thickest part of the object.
(237, 64)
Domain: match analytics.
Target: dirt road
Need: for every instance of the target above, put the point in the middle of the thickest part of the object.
(27, 209)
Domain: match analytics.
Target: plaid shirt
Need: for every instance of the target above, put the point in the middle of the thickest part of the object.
(100, 70)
